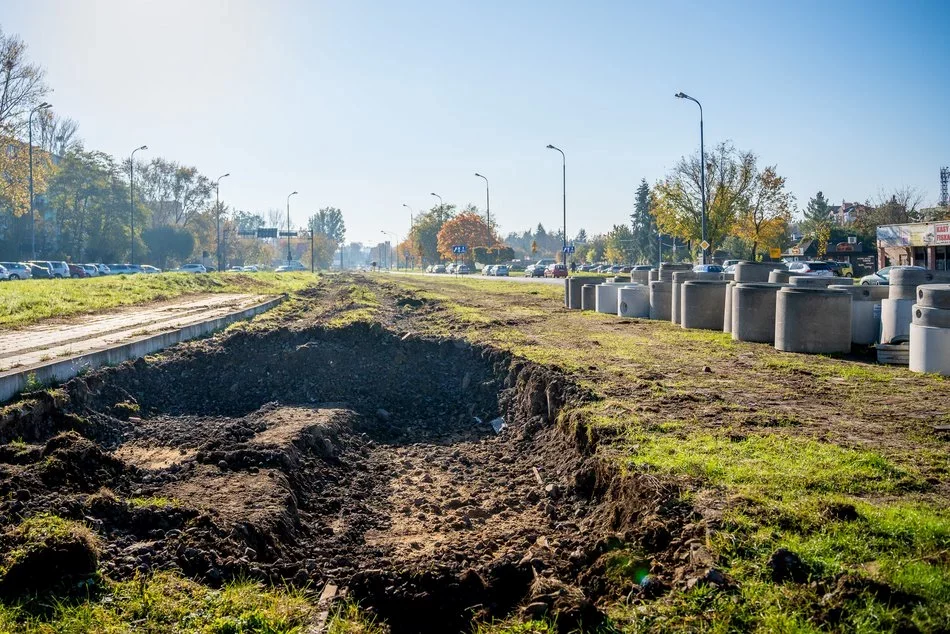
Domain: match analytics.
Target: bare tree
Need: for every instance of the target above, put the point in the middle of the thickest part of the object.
(55, 134)
(21, 83)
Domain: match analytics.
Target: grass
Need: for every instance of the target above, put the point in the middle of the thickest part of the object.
(825, 456)
(156, 502)
(30, 301)
(163, 603)
(350, 619)
(43, 532)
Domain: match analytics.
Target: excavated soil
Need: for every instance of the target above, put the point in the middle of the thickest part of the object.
(362, 456)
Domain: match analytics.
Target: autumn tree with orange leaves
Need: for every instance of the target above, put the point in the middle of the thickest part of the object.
(467, 228)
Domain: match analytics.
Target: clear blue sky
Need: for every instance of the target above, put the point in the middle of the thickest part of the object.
(369, 105)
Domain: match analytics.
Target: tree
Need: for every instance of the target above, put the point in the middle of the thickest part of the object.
(54, 134)
(468, 229)
(818, 222)
(21, 84)
(620, 245)
(581, 237)
(329, 222)
(424, 235)
(324, 247)
(643, 224)
(898, 206)
(765, 210)
(168, 243)
(176, 193)
(678, 198)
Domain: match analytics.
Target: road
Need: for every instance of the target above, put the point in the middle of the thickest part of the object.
(512, 278)
(40, 343)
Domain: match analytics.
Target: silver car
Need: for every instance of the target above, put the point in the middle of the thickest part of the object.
(17, 270)
(882, 276)
(60, 269)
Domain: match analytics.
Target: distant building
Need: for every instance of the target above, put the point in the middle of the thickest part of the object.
(924, 244)
(850, 250)
(847, 213)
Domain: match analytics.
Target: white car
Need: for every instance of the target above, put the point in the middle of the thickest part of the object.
(500, 270)
(250, 269)
(812, 268)
(150, 270)
(882, 276)
(193, 268)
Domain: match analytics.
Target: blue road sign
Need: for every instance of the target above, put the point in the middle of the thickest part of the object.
(459, 248)
(568, 249)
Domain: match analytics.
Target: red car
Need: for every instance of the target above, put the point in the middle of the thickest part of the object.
(77, 271)
(556, 270)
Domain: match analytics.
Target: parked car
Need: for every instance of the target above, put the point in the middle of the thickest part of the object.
(642, 267)
(707, 268)
(119, 269)
(883, 276)
(4, 273)
(450, 268)
(149, 269)
(196, 267)
(76, 270)
(250, 269)
(40, 271)
(488, 270)
(813, 268)
(439, 268)
(17, 270)
(462, 269)
(60, 269)
(287, 267)
(236, 269)
(534, 271)
(500, 270)
(841, 269)
(545, 262)
(91, 270)
(557, 270)
(727, 263)
(103, 269)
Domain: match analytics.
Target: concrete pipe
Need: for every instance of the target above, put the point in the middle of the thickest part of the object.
(727, 307)
(865, 311)
(588, 297)
(661, 298)
(812, 281)
(640, 277)
(753, 271)
(778, 276)
(929, 349)
(606, 298)
(753, 311)
(728, 277)
(896, 317)
(703, 303)
(934, 296)
(931, 317)
(812, 320)
(654, 276)
(903, 282)
(667, 270)
(678, 278)
(633, 301)
(574, 285)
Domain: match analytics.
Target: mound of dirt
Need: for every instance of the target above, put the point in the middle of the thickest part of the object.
(45, 552)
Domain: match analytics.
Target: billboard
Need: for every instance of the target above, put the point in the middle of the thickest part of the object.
(922, 234)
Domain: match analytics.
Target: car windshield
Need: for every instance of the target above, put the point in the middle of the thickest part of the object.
(819, 266)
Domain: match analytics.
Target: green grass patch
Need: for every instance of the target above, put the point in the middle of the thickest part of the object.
(350, 619)
(163, 603)
(155, 502)
(29, 301)
(43, 532)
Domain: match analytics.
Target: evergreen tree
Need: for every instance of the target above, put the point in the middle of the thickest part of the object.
(818, 210)
(644, 227)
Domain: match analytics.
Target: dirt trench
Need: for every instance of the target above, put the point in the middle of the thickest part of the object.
(357, 456)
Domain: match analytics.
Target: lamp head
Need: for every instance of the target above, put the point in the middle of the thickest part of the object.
(551, 147)
(433, 194)
(293, 193)
(44, 105)
(680, 95)
(144, 147)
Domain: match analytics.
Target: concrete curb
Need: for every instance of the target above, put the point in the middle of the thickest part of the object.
(15, 381)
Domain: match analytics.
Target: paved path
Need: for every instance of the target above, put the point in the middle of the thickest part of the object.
(515, 277)
(47, 341)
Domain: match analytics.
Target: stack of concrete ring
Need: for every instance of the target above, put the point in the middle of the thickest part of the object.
(897, 311)
(930, 330)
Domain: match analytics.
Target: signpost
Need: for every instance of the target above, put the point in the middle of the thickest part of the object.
(705, 246)
(569, 249)
(458, 249)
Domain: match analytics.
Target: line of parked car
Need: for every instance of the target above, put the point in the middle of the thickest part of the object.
(451, 268)
(56, 269)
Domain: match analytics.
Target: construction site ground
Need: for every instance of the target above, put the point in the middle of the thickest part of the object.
(466, 455)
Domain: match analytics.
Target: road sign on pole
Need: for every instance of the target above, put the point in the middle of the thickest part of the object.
(704, 245)
(568, 249)
(459, 249)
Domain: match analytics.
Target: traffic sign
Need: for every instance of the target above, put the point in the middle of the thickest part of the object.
(459, 249)
(267, 232)
(568, 249)
(775, 253)
(288, 234)
(704, 245)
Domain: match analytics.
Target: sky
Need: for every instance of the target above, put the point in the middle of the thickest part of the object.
(367, 106)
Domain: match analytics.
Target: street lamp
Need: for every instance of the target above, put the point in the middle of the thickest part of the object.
(132, 201)
(42, 106)
(487, 206)
(392, 249)
(217, 205)
(412, 222)
(440, 204)
(702, 170)
(288, 225)
(564, 185)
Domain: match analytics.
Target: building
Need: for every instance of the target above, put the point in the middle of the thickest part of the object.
(851, 251)
(924, 244)
(847, 213)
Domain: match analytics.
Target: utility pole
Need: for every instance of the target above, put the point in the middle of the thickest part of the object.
(132, 202)
(217, 206)
(487, 206)
(702, 171)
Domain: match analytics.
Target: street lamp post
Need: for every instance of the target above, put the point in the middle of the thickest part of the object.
(702, 169)
(564, 185)
(132, 202)
(392, 249)
(217, 206)
(441, 210)
(42, 106)
(412, 222)
(487, 206)
(288, 225)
